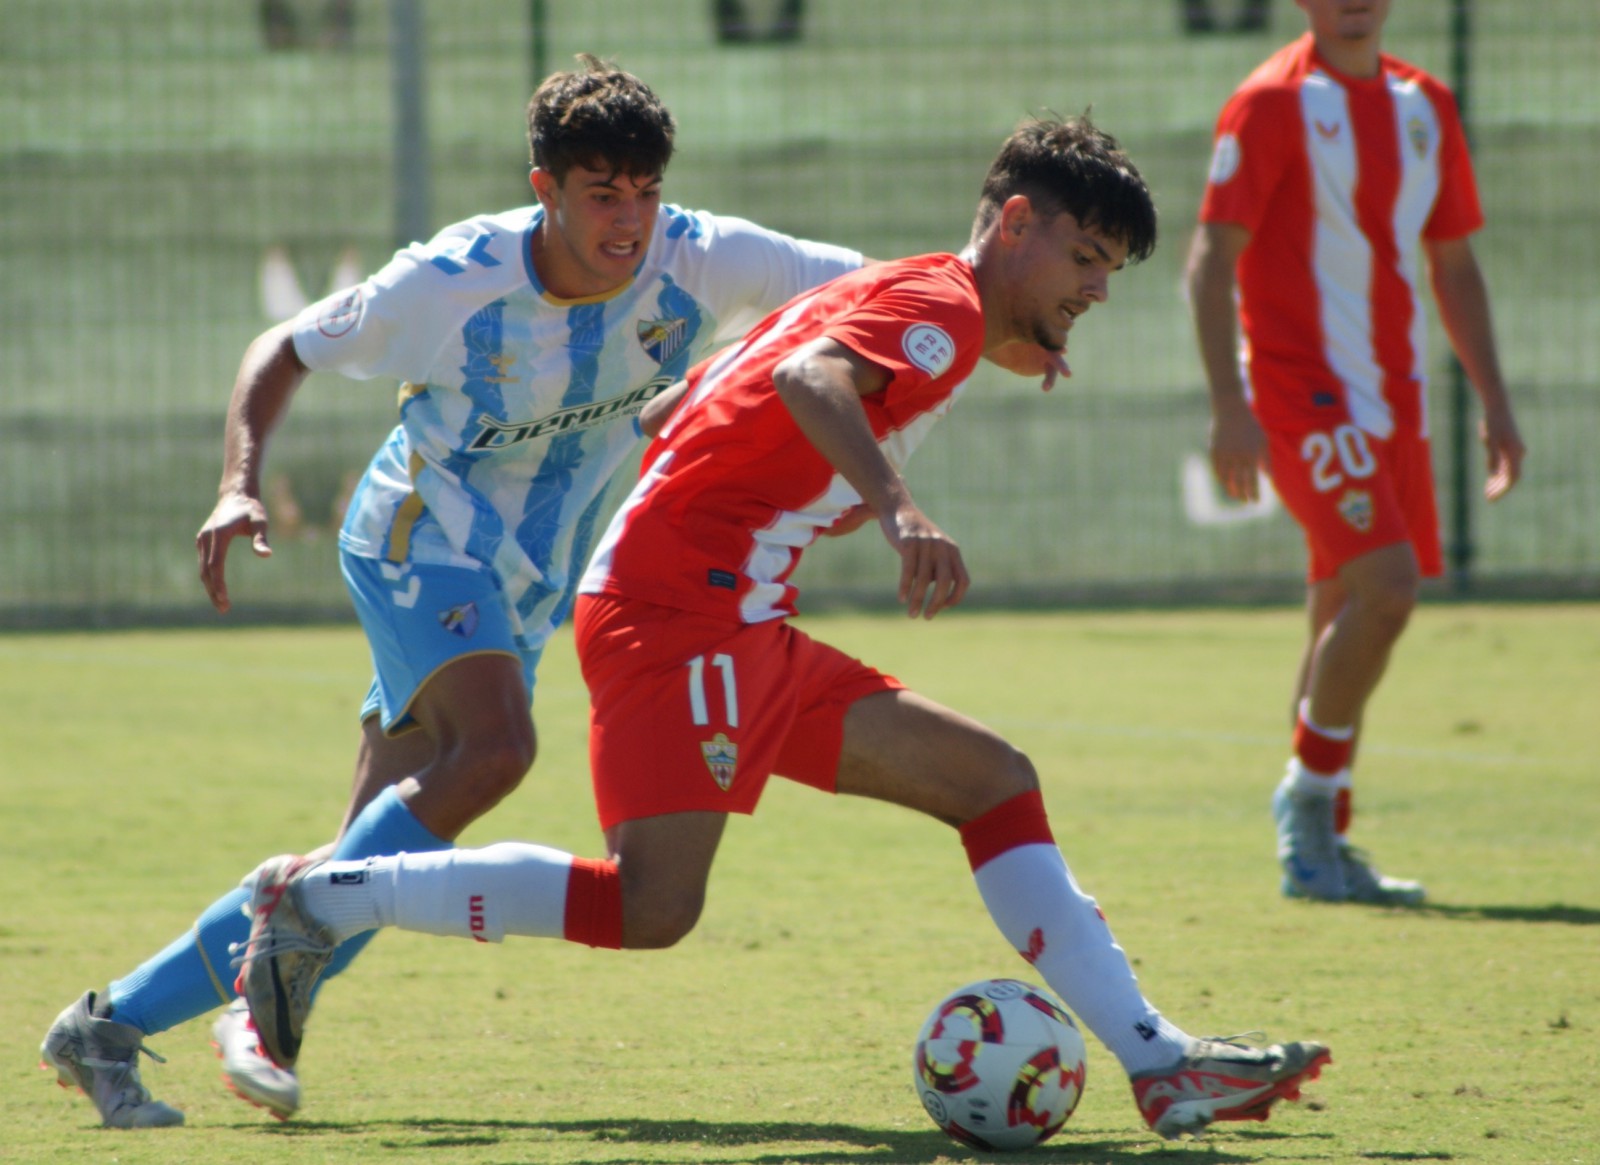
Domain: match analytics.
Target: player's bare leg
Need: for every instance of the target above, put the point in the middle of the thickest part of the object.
(475, 713)
(664, 863)
(383, 761)
(1356, 619)
(904, 748)
(1370, 602)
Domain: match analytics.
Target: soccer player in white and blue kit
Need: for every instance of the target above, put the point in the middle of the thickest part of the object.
(526, 344)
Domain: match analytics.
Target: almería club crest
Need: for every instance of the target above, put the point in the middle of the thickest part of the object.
(722, 757)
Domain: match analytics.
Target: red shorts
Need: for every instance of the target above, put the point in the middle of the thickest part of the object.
(1354, 493)
(689, 712)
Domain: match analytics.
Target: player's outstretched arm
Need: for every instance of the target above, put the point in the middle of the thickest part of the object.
(269, 374)
(822, 384)
(660, 409)
(1463, 298)
(1238, 446)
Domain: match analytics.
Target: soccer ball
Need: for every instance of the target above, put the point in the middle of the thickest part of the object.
(999, 1064)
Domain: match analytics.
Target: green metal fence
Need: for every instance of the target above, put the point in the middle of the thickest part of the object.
(174, 173)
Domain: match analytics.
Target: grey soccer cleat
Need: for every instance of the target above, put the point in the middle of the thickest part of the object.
(1308, 845)
(1222, 1081)
(247, 1069)
(1363, 883)
(101, 1057)
(280, 962)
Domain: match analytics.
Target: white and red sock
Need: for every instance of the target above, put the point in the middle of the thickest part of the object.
(1036, 903)
(1324, 763)
(483, 894)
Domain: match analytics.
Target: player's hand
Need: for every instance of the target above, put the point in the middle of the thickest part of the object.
(932, 574)
(1055, 367)
(1238, 451)
(236, 515)
(850, 521)
(1503, 445)
(1027, 359)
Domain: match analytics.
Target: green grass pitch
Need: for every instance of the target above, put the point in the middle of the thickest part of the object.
(143, 773)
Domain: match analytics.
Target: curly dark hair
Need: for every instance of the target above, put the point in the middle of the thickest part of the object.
(601, 118)
(1074, 166)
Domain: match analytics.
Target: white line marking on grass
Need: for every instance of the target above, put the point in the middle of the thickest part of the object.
(1155, 732)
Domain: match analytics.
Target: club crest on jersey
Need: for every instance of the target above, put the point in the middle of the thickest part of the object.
(1417, 132)
(661, 339)
(722, 757)
(1356, 508)
(462, 620)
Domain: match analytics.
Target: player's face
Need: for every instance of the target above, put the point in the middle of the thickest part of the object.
(597, 226)
(1060, 269)
(1345, 20)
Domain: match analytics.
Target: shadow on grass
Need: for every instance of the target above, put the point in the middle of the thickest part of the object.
(1557, 912)
(767, 1139)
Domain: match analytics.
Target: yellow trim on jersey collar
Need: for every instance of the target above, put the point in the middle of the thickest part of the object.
(583, 299)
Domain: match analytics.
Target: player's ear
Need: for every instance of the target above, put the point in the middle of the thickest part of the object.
(1016, 217)
(545, 186)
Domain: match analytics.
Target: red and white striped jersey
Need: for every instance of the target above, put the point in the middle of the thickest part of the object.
(1338, 179)
(732, 491)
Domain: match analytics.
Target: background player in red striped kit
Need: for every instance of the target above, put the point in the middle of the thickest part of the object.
(701, 688)
(1339, 183)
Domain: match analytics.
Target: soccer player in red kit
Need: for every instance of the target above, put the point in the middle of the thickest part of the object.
(701, 688)
(1339, 184)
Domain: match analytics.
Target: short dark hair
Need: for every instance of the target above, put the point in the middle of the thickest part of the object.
(601, 118)
(1074, 166)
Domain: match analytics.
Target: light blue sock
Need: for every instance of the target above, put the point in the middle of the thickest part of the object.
(385, 826)
(190, 977)
(194, 973)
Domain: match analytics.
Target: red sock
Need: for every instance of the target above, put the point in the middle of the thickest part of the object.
(594, 904)
(1019, 821)
(1323, 751)
(1343, 809)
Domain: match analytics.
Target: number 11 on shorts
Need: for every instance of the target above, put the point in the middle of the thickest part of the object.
(697, 689)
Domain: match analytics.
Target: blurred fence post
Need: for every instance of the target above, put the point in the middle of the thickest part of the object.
(1461, 549)
(413, 212)
(538, 41)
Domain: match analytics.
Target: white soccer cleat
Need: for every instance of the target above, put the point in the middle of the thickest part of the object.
(101, 1058)
(247, 1069)
(1223, 1081)
(1308, 844)
(280, 962)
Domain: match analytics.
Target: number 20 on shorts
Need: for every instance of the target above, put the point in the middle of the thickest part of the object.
(697, 689)
(1336, 456)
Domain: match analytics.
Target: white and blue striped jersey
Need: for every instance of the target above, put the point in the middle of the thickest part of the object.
(516, 408)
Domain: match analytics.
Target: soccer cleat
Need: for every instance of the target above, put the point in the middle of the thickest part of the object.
(101, 1058)
(1308, 846)
(1363, 883)
(280, 962)
(247, 1070)
(1222, 1081)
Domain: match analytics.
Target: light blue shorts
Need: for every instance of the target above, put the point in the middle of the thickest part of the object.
(418, 618)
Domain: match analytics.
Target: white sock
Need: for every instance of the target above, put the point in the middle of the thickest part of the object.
(484, 894)
(1036, 903)
(1306, 783)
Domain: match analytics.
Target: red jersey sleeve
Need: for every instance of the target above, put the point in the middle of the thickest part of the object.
(1253, 146)
(923, 328)
(1456, 212)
